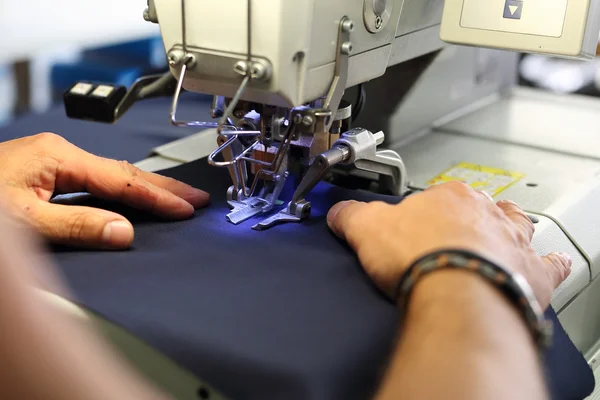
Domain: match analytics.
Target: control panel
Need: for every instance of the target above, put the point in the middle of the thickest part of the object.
(563, 28)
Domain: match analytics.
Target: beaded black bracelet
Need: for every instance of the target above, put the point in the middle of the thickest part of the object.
(512, 285)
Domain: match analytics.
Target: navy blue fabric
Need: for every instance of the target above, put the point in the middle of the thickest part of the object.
(132, 138)
(569, 376)
(282, 314)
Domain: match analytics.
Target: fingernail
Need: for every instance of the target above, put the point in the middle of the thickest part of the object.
(118, 234)
(336, 209)
(566, 257)
(198, 198)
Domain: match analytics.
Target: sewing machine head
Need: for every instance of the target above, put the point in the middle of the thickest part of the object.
(278, 71)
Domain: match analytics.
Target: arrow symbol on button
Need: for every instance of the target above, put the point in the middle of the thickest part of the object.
(513, 9)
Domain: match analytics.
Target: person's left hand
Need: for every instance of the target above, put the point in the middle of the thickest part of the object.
(389, 238)
(34, 169)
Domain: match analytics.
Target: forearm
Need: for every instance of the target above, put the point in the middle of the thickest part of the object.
(49, 354)
(46, 353)
(462, 340)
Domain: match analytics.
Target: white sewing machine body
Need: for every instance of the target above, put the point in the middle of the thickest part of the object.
(442, 107)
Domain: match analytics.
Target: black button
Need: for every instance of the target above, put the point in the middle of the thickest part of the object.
(513, 9)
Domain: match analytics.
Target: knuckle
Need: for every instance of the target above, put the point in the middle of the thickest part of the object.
(523, 220)
(128, 168)
(559, 265)
(48, 138)
(566, 272)
(377, 207)
(561, 270)
(154, 199)
(459, 187)
(521, 237)
(510, 206)
(527, 222)
(78, 226)
(560, 262)
(552, 260)
(513, 209)
(150, 198)
(495, 211)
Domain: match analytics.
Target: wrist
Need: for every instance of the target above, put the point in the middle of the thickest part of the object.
(458, 324)
(511, 286)
(463, 307)
(451, 286)
(454, 292)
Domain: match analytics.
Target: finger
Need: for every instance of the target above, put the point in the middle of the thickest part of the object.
(340, 216)
(81, 226)
(559, 267)
(486, 195)
(518, 217)
(196, 197)
(456, 186)
(122, 182)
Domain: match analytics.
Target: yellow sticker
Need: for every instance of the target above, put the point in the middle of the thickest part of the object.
(492, 180)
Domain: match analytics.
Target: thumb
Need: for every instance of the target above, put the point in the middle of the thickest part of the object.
(341, 216)
(558, 267)
(82, 226)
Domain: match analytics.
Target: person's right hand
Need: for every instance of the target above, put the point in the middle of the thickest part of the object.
(388, 238)
(35, 168)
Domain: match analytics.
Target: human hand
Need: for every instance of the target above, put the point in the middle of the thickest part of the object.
(45, 341)
(34, 169)
(389, 238)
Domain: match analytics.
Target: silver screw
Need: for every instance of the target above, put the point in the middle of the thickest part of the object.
(378, 22)
(308, 120)
(258, 71)
(297, 119)
(348, 26)
(147, 15)
(241, 67)
(173, 58)
(347, 48)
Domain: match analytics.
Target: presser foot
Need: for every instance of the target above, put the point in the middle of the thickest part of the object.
(243, 210)
(302, 211)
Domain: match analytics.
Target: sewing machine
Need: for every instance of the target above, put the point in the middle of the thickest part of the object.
(290, 82)
(278, 83)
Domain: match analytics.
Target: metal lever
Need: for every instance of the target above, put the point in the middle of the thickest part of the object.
(320, 166)
(299, 208)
